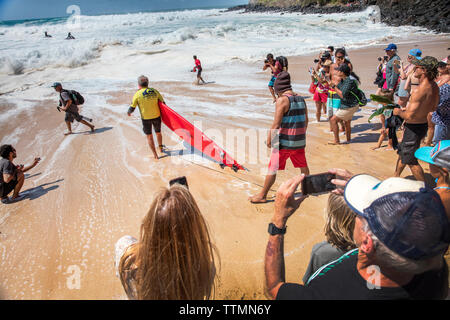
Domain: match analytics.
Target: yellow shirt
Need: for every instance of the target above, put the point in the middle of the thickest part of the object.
(147, 100)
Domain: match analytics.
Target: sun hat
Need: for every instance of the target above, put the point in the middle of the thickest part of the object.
(391, 46)
(403, 214)
(438, 155)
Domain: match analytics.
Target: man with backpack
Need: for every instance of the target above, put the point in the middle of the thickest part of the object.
(69, 101)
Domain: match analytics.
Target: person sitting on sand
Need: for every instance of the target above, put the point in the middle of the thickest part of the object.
(400, 238)
(70, 36)
(147, 100)
(346, 89)
(290, 123)
(340, 222)
(275, 68)
(70, 106)
(423, 100)
(174, 258)
(438, 158)
(11, 176)
(198, 68)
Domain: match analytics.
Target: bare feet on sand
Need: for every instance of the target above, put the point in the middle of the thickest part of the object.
(92, 129)
(67, 133)
(257, 199)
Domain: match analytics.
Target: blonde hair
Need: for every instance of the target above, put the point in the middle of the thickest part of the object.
(174, 257)
(340, 223)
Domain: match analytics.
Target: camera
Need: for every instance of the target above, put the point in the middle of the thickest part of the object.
(316, 60)
(266, 61)
(380, 59)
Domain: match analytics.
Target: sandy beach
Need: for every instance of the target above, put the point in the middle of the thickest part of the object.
(91, 189)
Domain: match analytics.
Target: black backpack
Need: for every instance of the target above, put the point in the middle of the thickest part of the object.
(75, 96)
(360, 96)
(283, 62)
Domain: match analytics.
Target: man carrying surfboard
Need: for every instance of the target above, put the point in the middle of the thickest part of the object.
(147, 100)
(290, 123)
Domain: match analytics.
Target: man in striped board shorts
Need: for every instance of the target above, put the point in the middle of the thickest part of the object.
(289, 126)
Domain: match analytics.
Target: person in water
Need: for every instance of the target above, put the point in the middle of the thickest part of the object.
(198, 68)
(70, 36)
(47, 35)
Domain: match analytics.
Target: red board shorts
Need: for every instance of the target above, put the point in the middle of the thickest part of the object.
(320, 97)
(279, 157)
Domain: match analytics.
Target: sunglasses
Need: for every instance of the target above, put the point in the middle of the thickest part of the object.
(340, 57)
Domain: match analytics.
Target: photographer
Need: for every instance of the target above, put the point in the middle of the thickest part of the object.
(11, 176)
(381, 74)
(406, 267)
(276, 68)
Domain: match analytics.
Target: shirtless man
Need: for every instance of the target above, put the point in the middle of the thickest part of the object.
(422, 101)
(276, 68)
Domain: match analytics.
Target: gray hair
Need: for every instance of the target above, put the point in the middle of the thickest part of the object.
(143, 81)
(388, 258)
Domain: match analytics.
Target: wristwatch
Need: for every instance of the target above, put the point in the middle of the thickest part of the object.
(273, 230)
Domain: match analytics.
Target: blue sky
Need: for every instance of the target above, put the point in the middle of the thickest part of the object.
(29, 9)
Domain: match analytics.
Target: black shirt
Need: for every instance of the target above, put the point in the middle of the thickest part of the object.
(6, 167)
(340, 280)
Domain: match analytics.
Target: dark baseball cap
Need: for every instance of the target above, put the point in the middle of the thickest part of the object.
(391, 46)
(56, 84)
(403, 214)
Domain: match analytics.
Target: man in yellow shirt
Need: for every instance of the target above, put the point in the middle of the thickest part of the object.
(147, 100)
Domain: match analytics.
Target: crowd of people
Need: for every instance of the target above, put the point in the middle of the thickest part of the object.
(384, 239)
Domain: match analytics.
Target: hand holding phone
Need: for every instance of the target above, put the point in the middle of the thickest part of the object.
(318, 183)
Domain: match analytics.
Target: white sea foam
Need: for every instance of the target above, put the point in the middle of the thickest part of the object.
(110, 51)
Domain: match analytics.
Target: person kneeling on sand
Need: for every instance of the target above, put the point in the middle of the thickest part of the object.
(346, 90)
(340, 222)
(174, 258)
(70, 106)
(147, 100)
(11, 176)
(423, 100)
(401, 233)
(290, 123)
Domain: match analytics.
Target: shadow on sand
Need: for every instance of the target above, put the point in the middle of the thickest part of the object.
(97, 131)
(37, 192)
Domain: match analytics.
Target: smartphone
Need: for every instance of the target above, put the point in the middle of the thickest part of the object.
(180, 180)
(318, 183)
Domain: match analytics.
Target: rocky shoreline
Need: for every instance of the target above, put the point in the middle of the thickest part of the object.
(430, 14)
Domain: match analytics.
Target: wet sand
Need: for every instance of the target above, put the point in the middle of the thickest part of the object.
(91, 189)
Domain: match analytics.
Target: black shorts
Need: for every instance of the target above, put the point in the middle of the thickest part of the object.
(413, 135)
(72, 116)
(149, 123)
(199, 72)
(6, 188)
